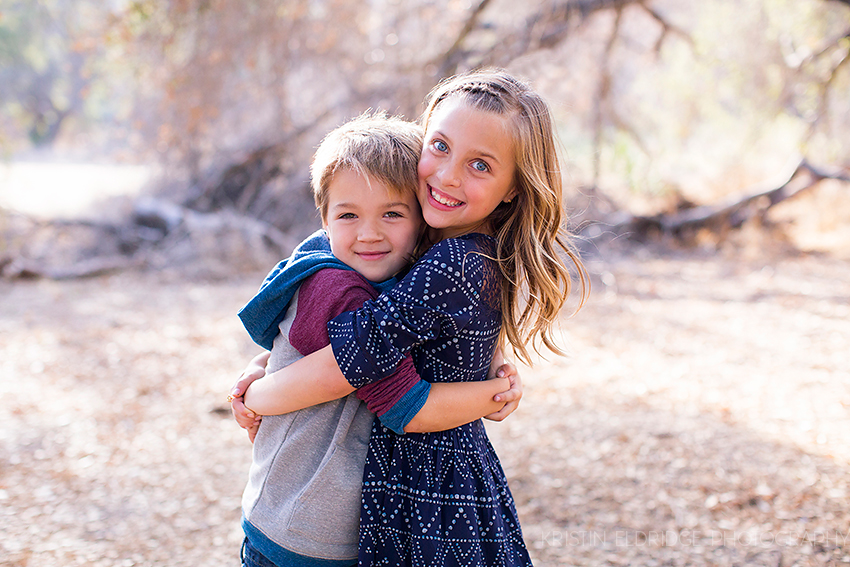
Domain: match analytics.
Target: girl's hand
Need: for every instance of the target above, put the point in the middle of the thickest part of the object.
(510, 397)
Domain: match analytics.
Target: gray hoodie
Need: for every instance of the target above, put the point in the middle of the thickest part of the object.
(303, 491)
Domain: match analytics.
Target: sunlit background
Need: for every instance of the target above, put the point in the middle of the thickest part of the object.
(154, 165)
(658, 102)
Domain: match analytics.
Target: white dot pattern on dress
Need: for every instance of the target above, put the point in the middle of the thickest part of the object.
(436, 499)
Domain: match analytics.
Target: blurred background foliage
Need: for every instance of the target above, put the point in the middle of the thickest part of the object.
(657, 101)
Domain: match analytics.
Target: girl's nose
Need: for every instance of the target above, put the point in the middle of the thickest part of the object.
(449, 174)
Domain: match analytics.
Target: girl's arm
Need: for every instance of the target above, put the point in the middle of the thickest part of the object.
(256, 369)
(316, 379)
(450, 406)
(309, 381)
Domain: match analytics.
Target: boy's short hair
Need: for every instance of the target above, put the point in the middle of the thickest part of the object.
(386, 148)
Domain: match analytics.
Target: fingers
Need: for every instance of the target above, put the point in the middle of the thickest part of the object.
(244, 381)
(500, 415)
(514, 395)
(243, 416)
(507, 369)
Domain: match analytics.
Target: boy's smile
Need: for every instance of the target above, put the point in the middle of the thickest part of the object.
(371, 229)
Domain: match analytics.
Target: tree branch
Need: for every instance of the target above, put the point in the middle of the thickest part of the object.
(603, 89)
(666, 27)
(456, 54)
(726, 215)
(823, 103)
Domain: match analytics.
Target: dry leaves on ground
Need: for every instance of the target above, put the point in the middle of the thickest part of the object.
(703, 418)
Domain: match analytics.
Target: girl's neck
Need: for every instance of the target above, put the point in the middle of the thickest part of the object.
(438, 234)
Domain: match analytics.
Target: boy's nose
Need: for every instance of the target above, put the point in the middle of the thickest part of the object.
(368, 233)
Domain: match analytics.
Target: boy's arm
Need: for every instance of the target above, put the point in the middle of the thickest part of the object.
(452, 404)
(315, 378)
(446, 405)
(501, 367)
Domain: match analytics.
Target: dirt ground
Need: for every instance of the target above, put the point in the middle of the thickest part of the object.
(702, 418)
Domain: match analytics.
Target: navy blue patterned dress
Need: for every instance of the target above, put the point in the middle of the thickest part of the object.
(433, 499)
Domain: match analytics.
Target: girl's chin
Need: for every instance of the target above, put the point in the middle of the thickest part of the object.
(436, 218)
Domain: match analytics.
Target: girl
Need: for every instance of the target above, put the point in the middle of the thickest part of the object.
(490, 189)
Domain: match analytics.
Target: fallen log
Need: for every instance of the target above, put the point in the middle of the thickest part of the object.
(724, 216)
(158, 235)
(21, 268)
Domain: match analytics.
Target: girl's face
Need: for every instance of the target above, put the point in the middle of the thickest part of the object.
(466, 169)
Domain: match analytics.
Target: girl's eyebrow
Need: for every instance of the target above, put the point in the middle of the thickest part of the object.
(482, 153)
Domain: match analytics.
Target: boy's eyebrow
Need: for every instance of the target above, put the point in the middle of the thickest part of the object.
(347, 205)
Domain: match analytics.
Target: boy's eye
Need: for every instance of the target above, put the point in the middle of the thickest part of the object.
(441, 146)
(394, 214)
(347, 216)
(481, 166)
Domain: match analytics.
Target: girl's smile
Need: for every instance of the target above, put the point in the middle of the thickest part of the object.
(443, 199)
(466, 169)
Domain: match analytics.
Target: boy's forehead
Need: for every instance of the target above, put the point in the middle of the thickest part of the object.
(352, 188)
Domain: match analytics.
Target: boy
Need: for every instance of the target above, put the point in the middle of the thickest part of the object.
(302, 502)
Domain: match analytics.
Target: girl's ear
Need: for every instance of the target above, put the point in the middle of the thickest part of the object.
(511, 194)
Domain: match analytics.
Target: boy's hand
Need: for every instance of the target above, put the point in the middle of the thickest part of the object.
(511, 397)
(246, 418)
(252, 431)
(255, 370)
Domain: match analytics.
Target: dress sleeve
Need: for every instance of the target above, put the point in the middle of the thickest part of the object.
(437, 298)
(326, 294)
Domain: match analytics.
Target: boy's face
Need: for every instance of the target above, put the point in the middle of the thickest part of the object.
(372, 229)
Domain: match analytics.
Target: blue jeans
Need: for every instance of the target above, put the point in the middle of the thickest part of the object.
(253, 558)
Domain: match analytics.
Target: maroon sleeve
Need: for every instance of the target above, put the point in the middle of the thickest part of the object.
(382, 395)
(323, 296)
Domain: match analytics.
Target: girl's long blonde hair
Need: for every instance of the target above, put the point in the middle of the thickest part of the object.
(529, 231)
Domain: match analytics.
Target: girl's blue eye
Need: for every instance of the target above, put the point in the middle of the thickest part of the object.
(440, 146)
(481, 166)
